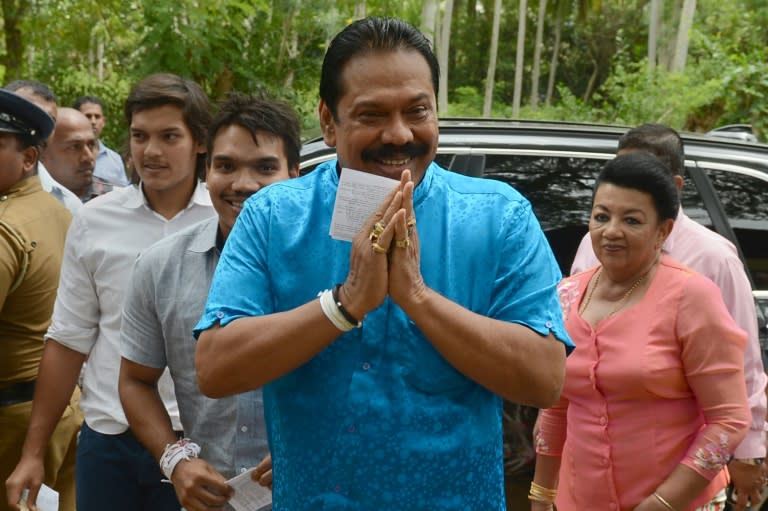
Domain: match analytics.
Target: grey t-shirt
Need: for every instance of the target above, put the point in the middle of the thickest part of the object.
(164, 302)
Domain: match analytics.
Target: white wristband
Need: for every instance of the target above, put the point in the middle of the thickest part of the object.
(332, 312)
(174, 453)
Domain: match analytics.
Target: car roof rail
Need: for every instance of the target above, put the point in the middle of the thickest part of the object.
(743, 132)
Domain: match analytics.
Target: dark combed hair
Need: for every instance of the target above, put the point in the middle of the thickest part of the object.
(39, 89)
(644, 172)
(369, 35)
(82, 100)
(169, 89)
(258, 112)
(659, 140)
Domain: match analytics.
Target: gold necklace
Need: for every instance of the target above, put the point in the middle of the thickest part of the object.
(624, 298)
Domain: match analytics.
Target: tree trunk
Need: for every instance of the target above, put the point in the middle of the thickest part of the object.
(653, 32)
(537, 53)
(429, 20)
(683, 31)
(520, 55)
(442, 57)
(359, 10)
(555, 54)
(489, 78)
(13, 17)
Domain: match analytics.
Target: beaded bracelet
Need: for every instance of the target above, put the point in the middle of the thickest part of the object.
(183, 449)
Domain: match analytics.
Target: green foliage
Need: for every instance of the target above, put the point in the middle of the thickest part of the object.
(112, 91)
(81, 47)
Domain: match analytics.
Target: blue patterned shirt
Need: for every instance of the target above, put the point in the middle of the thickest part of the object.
(379, 419)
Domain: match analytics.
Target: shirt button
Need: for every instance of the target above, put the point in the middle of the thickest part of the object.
(549, 324)
(337, 489)
(219, 314)
(243, 428)
(366, 366)
(243, 470)
(603, 421)
(351, 429)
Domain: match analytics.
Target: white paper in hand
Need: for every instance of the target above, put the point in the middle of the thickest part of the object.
(358, 196)
(249, 495)
(47, 499)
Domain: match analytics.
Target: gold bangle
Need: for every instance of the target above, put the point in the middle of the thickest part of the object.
(664, 502)
(540, 494)
(537, 498)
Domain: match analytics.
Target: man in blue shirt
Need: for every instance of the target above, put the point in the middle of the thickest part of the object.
(110, 168)
(403, 412)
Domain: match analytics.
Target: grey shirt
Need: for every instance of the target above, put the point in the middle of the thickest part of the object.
(163, 303)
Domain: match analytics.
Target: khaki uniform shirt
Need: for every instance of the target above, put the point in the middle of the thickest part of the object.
(33, 226)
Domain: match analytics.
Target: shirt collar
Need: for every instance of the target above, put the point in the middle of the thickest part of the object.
(200, 197)
(26, 186)
(205, 239)
(669, 243)
(419, 193)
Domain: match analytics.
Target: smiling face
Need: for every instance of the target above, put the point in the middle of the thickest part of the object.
(625, 229)
(241, 165)
(386, 116)
(163, 150)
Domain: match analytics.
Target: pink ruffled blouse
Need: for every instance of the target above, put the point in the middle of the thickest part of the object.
(654, 385)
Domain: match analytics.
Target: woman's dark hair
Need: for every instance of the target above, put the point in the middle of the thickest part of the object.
(169, 89)
(644, 172)
(369, 35)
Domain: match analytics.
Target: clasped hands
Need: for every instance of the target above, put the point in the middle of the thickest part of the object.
(385, 255)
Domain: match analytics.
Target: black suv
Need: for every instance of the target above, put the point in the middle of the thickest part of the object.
(555, 164)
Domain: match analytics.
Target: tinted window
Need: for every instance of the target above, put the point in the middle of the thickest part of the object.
(560, 191)
(745, 200)
(693, 205)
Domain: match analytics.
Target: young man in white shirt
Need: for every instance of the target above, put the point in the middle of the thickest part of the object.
(168, 118)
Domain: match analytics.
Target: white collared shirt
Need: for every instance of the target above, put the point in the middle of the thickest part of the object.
(102, 245)
(63, 194)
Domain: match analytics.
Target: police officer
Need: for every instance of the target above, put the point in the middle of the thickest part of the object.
(33, 226)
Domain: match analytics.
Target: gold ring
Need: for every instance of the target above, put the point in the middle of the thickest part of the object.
(378, 228)
(404, 243)
(373, 236)
(411, 222)
(378, 248)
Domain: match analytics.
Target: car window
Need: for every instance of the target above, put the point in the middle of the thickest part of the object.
(560, 192)
(693, 204)
(745, 200)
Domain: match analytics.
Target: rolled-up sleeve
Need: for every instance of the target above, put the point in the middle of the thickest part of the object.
(75, 322)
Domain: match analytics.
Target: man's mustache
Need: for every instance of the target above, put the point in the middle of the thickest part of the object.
(389, 151)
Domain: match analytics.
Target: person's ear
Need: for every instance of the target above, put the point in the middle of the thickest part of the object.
(30, 159)
(679, 182)
(665, 228)
(327, 124)
(294, 172)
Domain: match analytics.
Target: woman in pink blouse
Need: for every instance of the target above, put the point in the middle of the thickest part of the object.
(654, 399)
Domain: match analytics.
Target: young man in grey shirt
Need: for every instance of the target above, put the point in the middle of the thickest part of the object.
(252, 142)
